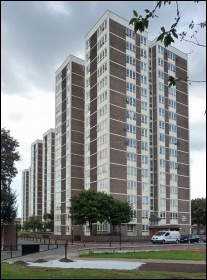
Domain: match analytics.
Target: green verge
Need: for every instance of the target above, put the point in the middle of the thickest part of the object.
(199, 255)
(13, 271)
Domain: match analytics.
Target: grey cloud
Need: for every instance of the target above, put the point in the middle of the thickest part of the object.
(16, 117)
(38, 40)
(198, 135)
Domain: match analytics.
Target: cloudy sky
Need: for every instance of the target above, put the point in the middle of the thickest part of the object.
(36, 38)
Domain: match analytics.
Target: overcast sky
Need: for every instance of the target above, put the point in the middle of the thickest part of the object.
(37, 37)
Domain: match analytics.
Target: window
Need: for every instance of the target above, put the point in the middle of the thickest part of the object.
(131, 60)
(172, 116)
(131, 142)
(102, 41)
(131, 156)
(131, 199)
(101, 69)
(162, 150)
(143, 40)
(171, 55)
(162, 215)
(172, 127)
(163, 202)
(130, 46)
(160, 49)
(143, 66)
(160, 74)
(102, 83)
(145, 200)
(144, 105)
(145, 187)
(131, 74)
(144, 119)
(173, 190)
(144, 159)
(131, 101)
(161, 99)
(161, 86)
(130, 228)
(171, 67)
(102, 111)
(102, 97)
(102, 55)
(160, 61)
(161, 112)
(144, 132)
(144, 172)
(171, 103)
(130, 33)
(173, 177)
(131, 185)
(171, 91)
(131, 87)
(173, 203)
(143, 53)
(143, 79)
(173, 216)
(162, 189)
(162, 124)
(144, 228)
(162, 163)
(131, 128)
(144, 92)
(172, 140)
(131, 170)
(172, 153)
(144, 146)
(162, 137)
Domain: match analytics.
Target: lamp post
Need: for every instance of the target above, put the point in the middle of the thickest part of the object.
(120, 237)
(72, 229)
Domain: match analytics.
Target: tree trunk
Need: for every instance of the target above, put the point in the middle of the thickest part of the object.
(2, 238)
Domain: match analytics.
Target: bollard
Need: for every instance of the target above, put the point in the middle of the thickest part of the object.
(110, 243)
(66, 250)
(11, 251)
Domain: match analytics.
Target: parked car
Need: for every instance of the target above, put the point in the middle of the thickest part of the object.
(189, 238)
(204, 238)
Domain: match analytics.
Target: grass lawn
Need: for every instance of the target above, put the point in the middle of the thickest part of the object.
(198, 255)
(15, 271)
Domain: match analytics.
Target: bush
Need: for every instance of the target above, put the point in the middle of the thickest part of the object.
(22, 233)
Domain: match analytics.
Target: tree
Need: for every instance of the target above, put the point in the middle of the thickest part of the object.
(90, 207)
(33, 223)
(9, 156)
(141, 23)
(49, 218)
(198, 212)
(121, 213)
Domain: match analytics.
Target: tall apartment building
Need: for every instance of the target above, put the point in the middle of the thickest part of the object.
(133, 127)
(35, 187)
(25, 195)
(48, 170)
(69, 139)
(136, 127)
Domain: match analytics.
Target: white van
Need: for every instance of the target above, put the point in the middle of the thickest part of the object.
(163, 237)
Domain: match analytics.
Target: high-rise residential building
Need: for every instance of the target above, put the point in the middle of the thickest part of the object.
(25, 196)
(48, 171)
(136, 127)
(35, 184)
(69, 139)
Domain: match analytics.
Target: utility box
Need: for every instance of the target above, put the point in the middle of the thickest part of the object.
(30, 249)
